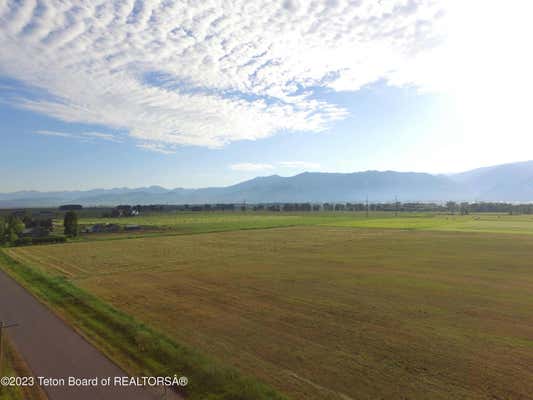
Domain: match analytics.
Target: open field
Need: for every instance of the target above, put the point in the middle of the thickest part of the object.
(190, 222)
(483, 222)
(331, 312)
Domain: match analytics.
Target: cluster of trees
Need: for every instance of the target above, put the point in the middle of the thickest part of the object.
(463, 208)
(467, 208)
(11, 229)
(46, 224)
(127, 210)
(70, 207)
(501, 207)
(452, 207)
(267, 207)
(208, 207)
(130, 211)
(396, 206)
(300, 207)
(70, 223)
(460, 208)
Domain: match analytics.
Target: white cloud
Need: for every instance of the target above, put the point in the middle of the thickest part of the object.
(251, 167)
(155, 147)
(82, 135)
(209, 73)
(100, 135)
(52, 133)
(299, 165)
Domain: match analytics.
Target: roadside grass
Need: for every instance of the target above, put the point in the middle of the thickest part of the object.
(9, 392)
(14, 365)
(136, 347)
(324, 312)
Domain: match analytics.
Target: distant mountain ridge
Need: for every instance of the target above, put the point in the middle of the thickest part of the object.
(507, 182)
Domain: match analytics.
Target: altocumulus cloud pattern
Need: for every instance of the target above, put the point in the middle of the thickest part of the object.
(208, 73)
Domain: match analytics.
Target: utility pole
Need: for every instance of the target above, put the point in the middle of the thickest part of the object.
(367, 205)
(2, 327)
(396, 206)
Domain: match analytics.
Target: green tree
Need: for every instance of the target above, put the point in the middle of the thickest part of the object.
(451, 206)
(2, 230)
(14, 228)
(70, 222)
(12, 236)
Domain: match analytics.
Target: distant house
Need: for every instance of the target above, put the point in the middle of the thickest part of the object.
(125, 211)
(90, 228)
(94, 228)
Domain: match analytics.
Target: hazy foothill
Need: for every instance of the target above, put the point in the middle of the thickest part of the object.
(500, 183)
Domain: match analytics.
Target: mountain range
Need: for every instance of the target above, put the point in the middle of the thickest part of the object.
(507, 182)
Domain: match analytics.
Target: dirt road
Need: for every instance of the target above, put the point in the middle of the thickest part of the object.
(52, 349)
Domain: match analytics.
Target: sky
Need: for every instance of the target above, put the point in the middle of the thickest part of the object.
(101, 94)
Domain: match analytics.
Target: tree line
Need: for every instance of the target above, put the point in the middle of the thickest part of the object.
(15, 230)
(396, 206)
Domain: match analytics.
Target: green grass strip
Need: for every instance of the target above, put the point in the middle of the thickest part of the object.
(134, 346)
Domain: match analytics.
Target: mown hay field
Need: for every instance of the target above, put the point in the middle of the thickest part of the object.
(486, 222)
(199, 222)
(203, 222)
(330, 312)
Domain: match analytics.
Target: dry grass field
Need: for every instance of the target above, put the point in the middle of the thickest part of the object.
(330, 312)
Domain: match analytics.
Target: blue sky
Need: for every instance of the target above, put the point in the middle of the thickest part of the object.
(105, 95)
(376, 135)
